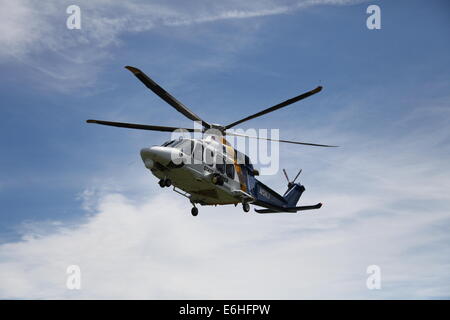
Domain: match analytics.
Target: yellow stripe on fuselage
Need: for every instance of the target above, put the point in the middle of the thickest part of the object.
(231, 152)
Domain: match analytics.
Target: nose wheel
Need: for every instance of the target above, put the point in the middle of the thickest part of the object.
(246, 207)
(165, 183)
(194, 211)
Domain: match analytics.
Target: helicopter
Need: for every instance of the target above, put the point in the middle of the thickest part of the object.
(209, 171)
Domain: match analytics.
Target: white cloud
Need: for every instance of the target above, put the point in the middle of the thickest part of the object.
(154, 248)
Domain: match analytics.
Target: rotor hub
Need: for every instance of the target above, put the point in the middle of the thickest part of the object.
(216, 127)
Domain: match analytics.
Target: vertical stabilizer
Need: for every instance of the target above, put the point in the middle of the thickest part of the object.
(293, 194)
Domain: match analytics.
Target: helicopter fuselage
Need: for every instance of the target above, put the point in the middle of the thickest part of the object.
(207, 170)
(211, 172)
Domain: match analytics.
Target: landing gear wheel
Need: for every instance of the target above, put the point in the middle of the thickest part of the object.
(165, 183)
(194, 211)
(246, 207)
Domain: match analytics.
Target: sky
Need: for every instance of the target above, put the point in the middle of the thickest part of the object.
(78, 194)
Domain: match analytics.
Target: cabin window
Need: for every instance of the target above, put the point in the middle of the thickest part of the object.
(220, 163)
(198, 153)
(229, 167)
(209, 156)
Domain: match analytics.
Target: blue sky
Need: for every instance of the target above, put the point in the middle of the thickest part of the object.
(385, 101)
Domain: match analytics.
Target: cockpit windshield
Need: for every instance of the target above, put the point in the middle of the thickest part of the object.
(179, 143)
(182, 144)
(167, 143)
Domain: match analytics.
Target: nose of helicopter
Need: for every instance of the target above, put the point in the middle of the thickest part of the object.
(151, 155)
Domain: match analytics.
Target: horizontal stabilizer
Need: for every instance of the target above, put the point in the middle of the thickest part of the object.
(267, 211)
(302, 208)
(290, 210)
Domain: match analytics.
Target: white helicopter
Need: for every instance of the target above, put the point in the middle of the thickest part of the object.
(209, 171)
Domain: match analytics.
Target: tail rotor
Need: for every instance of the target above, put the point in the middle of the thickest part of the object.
(291, 183)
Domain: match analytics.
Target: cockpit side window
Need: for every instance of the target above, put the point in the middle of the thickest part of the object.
(176, 143)
(198, 152)
(185, 145)
(192, 147)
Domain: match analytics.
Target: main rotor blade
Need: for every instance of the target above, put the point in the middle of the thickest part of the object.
(285, 174)
(276, 107)
(140, 126)
(285, 141)
(167, 97)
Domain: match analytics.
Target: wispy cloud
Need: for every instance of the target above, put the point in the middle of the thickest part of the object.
(34, 34)
(139, 250)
